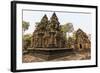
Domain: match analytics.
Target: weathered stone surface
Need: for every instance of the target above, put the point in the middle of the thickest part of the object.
(48, 34)
(60, 55)
(48, 43)
(82, 41)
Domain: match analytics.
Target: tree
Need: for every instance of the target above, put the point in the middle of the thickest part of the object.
(27, 41)
(25, 26)
(67, 28)
(63, 29)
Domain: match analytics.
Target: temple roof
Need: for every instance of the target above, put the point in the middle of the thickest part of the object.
(81, 32)
(44, 18)
(54, 16)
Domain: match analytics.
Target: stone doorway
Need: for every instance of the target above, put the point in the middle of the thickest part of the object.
(80, 46)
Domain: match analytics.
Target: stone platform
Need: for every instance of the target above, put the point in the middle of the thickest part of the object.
(50, 53)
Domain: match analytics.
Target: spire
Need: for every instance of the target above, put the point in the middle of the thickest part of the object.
(54, 16)
(44, 18)
(54, 21)
(79, 30)
(43, 23)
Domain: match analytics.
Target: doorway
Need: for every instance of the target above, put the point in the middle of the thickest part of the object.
(80, 46)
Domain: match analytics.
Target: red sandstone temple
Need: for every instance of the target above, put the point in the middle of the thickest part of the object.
(48, 34)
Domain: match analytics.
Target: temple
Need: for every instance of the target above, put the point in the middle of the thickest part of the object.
(48, 34)
(82, 40)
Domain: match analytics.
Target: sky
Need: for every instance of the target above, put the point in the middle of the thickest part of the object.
(79, 20)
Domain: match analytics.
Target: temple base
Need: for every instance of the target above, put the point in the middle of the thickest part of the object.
(50, 54)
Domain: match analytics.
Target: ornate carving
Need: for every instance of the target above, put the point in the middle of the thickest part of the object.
(48, 34)
(82, 41)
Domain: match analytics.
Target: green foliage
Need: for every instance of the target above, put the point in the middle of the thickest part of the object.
(27, 41)
(67, 28)
(74, 35)
(70, 42)
(25, 25)
(70, 39)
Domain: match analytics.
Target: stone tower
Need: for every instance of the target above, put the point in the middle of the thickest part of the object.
(48, 34)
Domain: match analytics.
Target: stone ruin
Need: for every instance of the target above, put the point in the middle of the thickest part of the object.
(82, 41)
(48, 41)
(48, 34)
